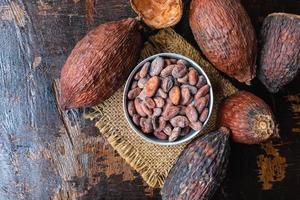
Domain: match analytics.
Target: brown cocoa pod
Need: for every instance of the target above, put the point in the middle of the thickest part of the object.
(170, 112)
(138, 107)
(179, 71)
(131, 108)
(151, 86)
(142, 82)
(149, 102)
(159, 102)
(280, 53)
(200, 168)
(161, 93)
(191, 113)
(156, 112)
(167, 84)
(175, 134)
(182, 62)
(249, 118)
(197, 126)
(91, 73)
(144, 71)
(168, 129)
(200, 104)
(167, 71)
(156, 66)
(136, 119)
(204, 115)
(146, 110)
(192, 89)
(160, 135)
(134, 85)
(202, 91)
(201, 82)
(147, 128)
(193, 77)
(183, 80)
(167, 62)
(174, 95)
(185, 131)
(226, 36)
(162, 123)
(185, 96)
(133, 93)
(179, 121)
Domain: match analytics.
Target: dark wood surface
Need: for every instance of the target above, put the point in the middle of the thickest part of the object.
(48, 154)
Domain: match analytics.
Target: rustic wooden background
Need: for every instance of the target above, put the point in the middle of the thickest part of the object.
(47, 154)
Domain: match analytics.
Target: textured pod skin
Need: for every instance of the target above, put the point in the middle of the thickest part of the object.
(100, 63)
(225, 35)
(200, 168)
(280, 54)
(248, 117)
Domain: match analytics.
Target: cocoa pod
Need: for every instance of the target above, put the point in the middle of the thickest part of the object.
(179, 71)
(249, 118)
(160, 135)
(92, 73)
(167, 71)
(133, 93)
(185, 96)
(158, 14)
(280, 53)
(151, 86)
(174, 95)
(131, 108)
(193, 77)
(144, 71)
(179, 121)
(175, 134)
(159, 102)
(136, 119)
(224, 33)
(138, 107)
(167, 84)
(191, 113)
(200, 168)
(156, 66)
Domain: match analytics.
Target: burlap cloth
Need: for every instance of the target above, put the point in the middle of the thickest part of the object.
(153, 162)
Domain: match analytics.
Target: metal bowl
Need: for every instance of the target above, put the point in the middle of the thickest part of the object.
(152, 138)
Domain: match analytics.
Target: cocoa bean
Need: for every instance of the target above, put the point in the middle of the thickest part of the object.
(134, 84)
(133, 93)
(151, 86)
(182, 110)
(159, 102)
(167, 84)
(149, 102)
(183, 62)
(174, 95)
(202, 91)
(146, 110)
(183, 80)
(147, 128)
(142, 82)
(167, 62)
(137, 76)
(155, 123)
(138, 107)
(142, 95)
(160, 135)
(144, 70)
(204, 115)
(191, 113)
(161, 93)
(193, 77)
(162, 123)
(157, 112)
(156, 66)
(167, 71)
(170, 112)
(179, 121)
(173, 60)
(131, 108)
(174, 134)
(168, 129)
(136, 119)
(185, 131)
(192, 89)
(200, 104)
(197, 126)
(201, 82)
(179, 71)
(185, 96)
(142, 121)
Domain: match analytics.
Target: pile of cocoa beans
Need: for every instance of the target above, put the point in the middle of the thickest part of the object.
(167, 98)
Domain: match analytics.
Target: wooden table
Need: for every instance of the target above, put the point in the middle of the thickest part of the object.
(47, 154)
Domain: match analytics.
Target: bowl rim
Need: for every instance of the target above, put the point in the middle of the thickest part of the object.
(189, 136)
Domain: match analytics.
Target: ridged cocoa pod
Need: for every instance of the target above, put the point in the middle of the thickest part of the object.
(280, 54)
(99, 63)
(225, 35)
(249, 118)
(200, 168)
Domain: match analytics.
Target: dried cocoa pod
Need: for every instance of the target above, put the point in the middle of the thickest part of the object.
(133, 93)
(161, 93)
(170, 112)
(185, 131)
(193, 77)
(204, 115)
(158, 14)
(145, 109)
(174, 95)
(131, 108)
(224, 33)
(168, 129)
(192, 89)
(142, 82)
(185, 96)
(134, 85)
(179, 121)
(249, 118)
(197, 126)
(136, 119)
(167, 84)
(175, 134)
(191, 113)
(138, 107)
(179, 71)
(91, 73)
(151, 86)
(280, 54)
(156, 66)
(167, 71)
(183, 79)
(149, 102)
(160, 135)
(201, 82)
(156, 112)
(144, 71)
(159, 102)
(200, 168)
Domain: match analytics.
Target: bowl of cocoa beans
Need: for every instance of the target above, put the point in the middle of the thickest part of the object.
(168, 99)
